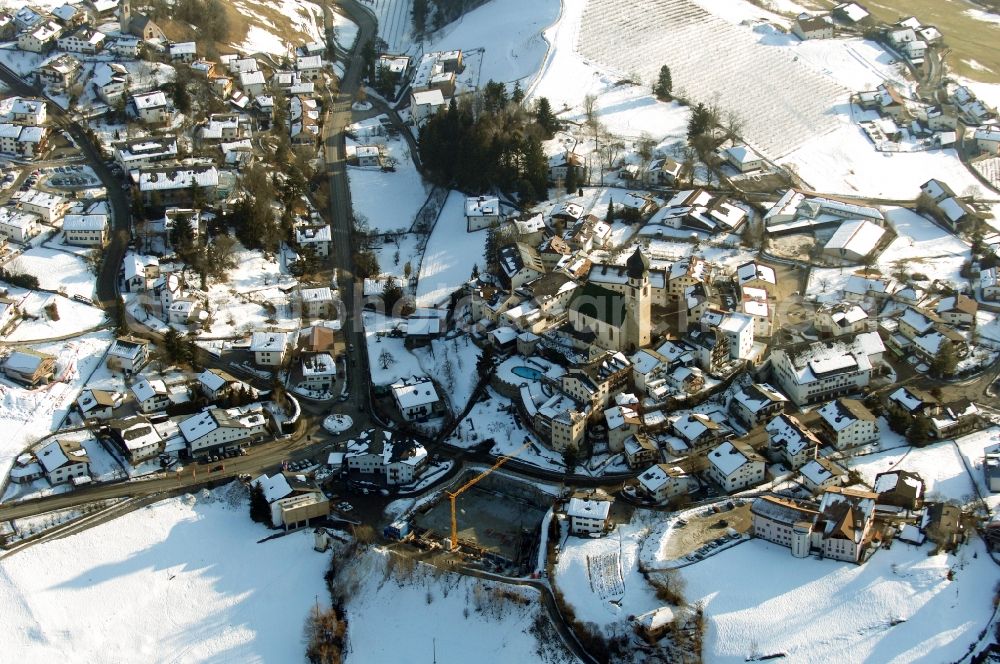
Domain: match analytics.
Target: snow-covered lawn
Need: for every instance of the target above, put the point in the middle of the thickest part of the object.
(400, 362)
(923, 246)
(74, 316)
(450, 255)
(458, 381)
(897, 607)
(600, 578)
(388, 201)
(408, 616)
(844, 161)
(406, 247)
(56, 270)
(28, 415)
(345, 31)
(183, 580)
(510, 33)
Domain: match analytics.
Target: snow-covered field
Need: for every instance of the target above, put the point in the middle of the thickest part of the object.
(28, 415)
(388, 201)
(845, 162)
(345, 31)
(460, 355)
(923, 246)
(608, 587)
(74, 317)
(56, 270)
(406, 247)
(414, 616)
(509, 32)
(897, 607)
(303, 18)
(183, 580)
(400, 362)
(450, 255)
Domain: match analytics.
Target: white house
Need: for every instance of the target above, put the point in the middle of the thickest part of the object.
(111, 80)
(253, 83)
(64, 461)
(663, 482)
(317, 237)
(821, 474)
(215, 429)
(826, 369)
(988, 138)
(39, 39)
(268, 348)
(847, 423)
(186, 52)
(85, 230)
(18, 226)
(399, 461)
(744, 158)
(145, 152)
(151, 107)
(50, 207)
(791, 440)
(588, 515)
(136, 438)
(319, 371)
(216, 383)
(150, 395)
(734, 466)
(309, 67)
(316, 302)
(26, 111)
(425, 104)
(482, 212)
(82, 40)
(127, 354)
(755, 403)
(99, 404)
(812, 27)
(416, 399)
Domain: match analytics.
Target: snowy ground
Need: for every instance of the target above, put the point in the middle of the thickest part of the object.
(56, 270)
(345, 31)
(845, 162)
(401, 363)
(74, 316)
(388, 201)
(450, 255)
(304, 20)
(181, 581)
(28, 415)
(460, 354)
(759, 601)
(600, 578)
(407, 247)
(923, 246)
(440, 614)
(510, 33)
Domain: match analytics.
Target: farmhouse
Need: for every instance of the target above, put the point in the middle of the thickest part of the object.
(854, 240)
(30, 367)
(812, 27)
(482, 212)
(64, 461)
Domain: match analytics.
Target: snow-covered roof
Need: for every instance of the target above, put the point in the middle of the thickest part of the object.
(322, 294)
(183, 48)
(415, 394)
(85, 222)
(275, 487)
(482, 206)
(842, 413)
(159, 179)
(320, 364)
(52, 457)
(268, 342)
(656, 476)
(584, 508)
(728, 458)
(252, 78)
(858, 237)
(155, 99)
(144, 389)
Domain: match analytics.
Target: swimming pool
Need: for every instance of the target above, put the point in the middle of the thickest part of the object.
(526, 372)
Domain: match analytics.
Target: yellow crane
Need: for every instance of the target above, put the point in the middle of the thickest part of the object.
(453, 495)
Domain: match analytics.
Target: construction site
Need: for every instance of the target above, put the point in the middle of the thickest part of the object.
(497, 518)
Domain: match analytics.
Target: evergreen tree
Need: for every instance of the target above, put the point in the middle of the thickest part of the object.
(517, 95)
(391, 294)
(610, 216)
(945, 360)
(260, 510)
(484, 365)
(494, 96)
(664, 84)
(571, 457)
(545, 118)
(700, 121)
(121, 322)
(571, 179)
(418, 14)
(536, 168)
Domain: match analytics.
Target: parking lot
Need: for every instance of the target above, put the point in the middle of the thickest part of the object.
(704, 529)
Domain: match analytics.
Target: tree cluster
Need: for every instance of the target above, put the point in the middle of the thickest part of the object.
(19, 279)
(489, 143)
(179, 349)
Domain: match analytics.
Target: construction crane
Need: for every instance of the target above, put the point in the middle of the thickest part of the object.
(453, 495)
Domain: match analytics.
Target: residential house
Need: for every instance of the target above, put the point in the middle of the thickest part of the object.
(756, 403)
(317, 237)
(317, 302)
(734, 465)
(398, 461)
(589, 514)
(30, 367)
(743, 158)
(50, 207)
(821, 473)
(664, 481)
(958, 310)
(216, 430)
(41, 38)
(417, 399)
(482, 212)
(26, 111)
(294, 501)
(622, 421)
(183, 52)
(151, 107)
(843, 528)
(840, 319)
(85, 230)
(319, 372)
(82, 40)
(988, 138)
(268, 348)
(217, 384)
(640, 451)
(425, 104)
(98, 404)
(847, 423)
(791, 440)
(135, 438)
(64, 461)
(145, 152)
(127, 354)
(59, 74)
(900, 488)
(111, 80)
(150, 395)
(178, 185)
(17, 226)
(807, 27)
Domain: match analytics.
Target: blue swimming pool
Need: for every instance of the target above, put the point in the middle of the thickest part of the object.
(526, 372)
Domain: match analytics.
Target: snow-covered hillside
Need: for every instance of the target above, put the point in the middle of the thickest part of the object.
(183, 580)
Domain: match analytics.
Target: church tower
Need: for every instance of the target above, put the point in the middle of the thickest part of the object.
(124, 16)
(637, 304)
